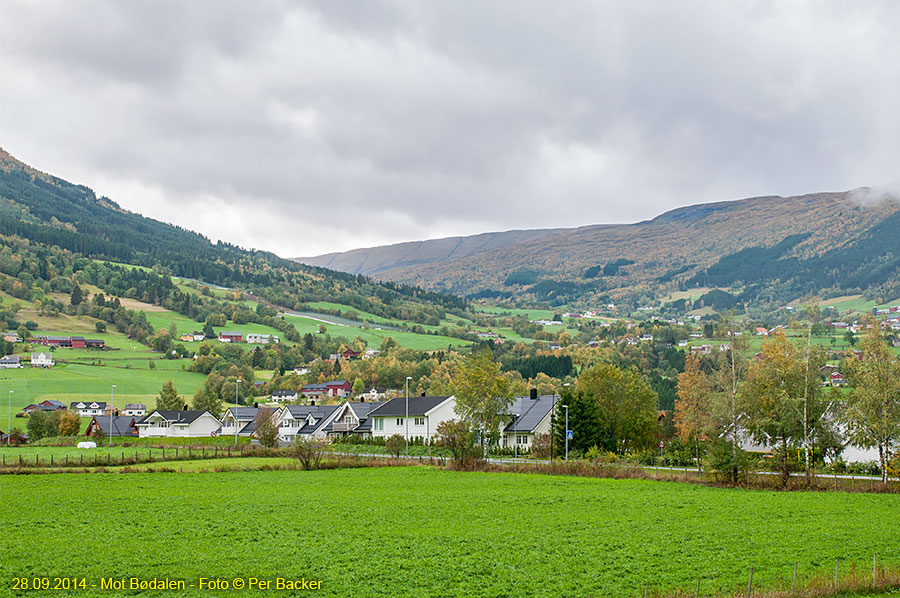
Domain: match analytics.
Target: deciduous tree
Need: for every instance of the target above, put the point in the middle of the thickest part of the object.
(626, 404)
(695, 418)
(482, 395)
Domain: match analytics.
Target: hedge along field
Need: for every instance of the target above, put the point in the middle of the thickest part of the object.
(418, 531)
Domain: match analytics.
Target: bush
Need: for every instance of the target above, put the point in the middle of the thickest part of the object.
(395, 445)
(309, 451)
(726, 465)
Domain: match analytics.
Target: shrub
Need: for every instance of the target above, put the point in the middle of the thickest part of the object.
(309, 451)
(395, 445)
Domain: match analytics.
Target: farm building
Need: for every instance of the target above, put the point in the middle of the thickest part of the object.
(285, 396)
(335, 388)
(262, 339)
(231, 337)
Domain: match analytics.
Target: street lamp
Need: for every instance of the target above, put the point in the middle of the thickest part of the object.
(566, 407)
(406, 419)
(112, 394)
(237, 385)
(515, 435)
(9, 419)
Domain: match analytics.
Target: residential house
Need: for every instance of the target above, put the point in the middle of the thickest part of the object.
(701, 350)
(761, 331)
(44, 406)
(121, 425)
(682, 343)
(352, 418)
(42, 360)
(350, 354)
(231, 337)
(335, 388)
(245, 418)
(376, 393)
(186, 423)
(529, 416)
(88, 408)
(646, 337)
(285, 396)
(370, 353)
(262, 339)
(301, 371)
(11, 337)
(135, 410)
(425, 415)
(836, 379)
(187, 337)
(12, 439)
(9, 362)
(304, 420)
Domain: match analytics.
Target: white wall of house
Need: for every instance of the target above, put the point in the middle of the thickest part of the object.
(202, 426)
(419, 426)
(526, 438)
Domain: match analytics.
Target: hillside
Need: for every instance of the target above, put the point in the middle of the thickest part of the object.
(794, 240)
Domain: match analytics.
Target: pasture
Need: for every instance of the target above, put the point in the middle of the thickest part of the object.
(418, 531)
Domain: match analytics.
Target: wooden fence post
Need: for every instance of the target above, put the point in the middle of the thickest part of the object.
(874, 569)
(794, 586)
(750, 583)
(837, 564)
(697, 593)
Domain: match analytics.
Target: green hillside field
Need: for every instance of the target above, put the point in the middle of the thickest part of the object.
(396, 531)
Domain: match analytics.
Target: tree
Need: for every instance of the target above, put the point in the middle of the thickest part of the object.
(309, 450)
(457, 437)
(694, 415)
(205, 399)
(208, 331)
(728, 379)
(359, 387)
(627, 406)
(775, 393)
(395, 444)
(266, 427)
(584, 421)
(39, 425)
(482, 395)
(872, 407)
(77, 296)
(168, 398)
(173, 329)
(100, 326)
(67, 422)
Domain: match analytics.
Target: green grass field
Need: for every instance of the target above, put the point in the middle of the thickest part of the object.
(423, 532)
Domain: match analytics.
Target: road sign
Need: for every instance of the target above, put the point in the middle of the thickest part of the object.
(570, 435)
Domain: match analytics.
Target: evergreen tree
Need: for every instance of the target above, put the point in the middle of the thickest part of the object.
(168, 398)
(77, 296)
(206, 400)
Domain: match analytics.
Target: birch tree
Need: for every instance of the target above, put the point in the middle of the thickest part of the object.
(482, 395)
(694, 415)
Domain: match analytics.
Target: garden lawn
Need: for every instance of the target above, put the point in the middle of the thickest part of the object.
(418, 531)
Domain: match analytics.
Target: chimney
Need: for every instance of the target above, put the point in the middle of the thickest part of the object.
(423, 393)
(255, 405)
(533, 394)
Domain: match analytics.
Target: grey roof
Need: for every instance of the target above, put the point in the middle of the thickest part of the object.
(132, 406)
(319, 412)
(10, 359)
(100, 404)
(529, 412)
(177, 417)
(55, 403)
(122, 425)
(397, 407)
(284, 393)
(243, 413)
(362, 411)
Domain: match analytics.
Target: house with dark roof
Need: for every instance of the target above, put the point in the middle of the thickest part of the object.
(9, 362)
(121, 425)
(44, 406)
(425, 415)
(304, 420)
(135, 409)
(335, 388)
(285, 396)
(88, 408)
(186, 423)
(528, 416)
(352, 418)
(245, 417)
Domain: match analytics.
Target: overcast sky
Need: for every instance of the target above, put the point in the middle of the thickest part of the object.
(306, 128)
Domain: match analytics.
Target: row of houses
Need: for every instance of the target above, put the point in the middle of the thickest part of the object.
(419, 418)
(38, 360)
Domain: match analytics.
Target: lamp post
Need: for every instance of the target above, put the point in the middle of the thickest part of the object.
(406, 419)
(112, 394)
(237, 385)
(9, 418)
(515, 435)
(566, 407)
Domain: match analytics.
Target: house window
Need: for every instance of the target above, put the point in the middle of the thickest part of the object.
(420, 421)
(521, 439)
(163, 424)
(399, 421)
(379, 424)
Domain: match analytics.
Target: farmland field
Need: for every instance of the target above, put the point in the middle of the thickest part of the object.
(418, 531)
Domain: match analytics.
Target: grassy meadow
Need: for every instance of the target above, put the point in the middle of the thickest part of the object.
(418, 531)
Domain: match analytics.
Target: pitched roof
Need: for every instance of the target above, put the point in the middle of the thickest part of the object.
(529, 412)
(100, 404)
(122, 425)
(177, 417)
(397, 407)
(319, 412)
(362, 411)
(133, 406)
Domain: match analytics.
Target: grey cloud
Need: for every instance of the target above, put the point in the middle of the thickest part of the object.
(323, 126)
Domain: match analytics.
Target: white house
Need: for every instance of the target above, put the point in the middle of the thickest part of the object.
(88, 408)
(246, 421)
(285, 396)
(304, 420)
(352, 418)
(42, 360)
(262, 339)
(425, 415)
(135, 410)
(529, 416)
(10, 361)
(193, 423)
